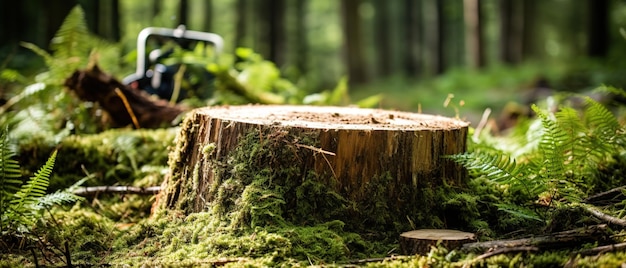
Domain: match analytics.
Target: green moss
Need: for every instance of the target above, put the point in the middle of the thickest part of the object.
(116, 156)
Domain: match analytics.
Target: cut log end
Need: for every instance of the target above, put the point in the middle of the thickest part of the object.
(420, 241)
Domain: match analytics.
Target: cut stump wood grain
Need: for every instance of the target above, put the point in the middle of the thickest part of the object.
(420, 241)
(361, 154)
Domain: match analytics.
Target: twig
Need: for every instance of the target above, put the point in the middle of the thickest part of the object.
(315, 149)
(500, 251)
(603, 216)
(32, 251)
(555, 240)
(481, 124)
(93, 190)
(128, 107)
(602, 249)
(67, 254)
(607, 195)
(364, 261)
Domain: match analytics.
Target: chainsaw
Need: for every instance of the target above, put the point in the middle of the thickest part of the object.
(152, 74)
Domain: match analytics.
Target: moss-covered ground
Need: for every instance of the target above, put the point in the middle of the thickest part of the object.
(259, 216)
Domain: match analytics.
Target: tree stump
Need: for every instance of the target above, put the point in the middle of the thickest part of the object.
(420, 241)
(369, 168)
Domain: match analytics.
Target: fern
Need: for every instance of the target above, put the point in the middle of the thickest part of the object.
(21, 206)
(563, 167)
(10, 177)
(28, 196)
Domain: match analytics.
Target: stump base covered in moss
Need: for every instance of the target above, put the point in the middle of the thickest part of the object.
(259, 165)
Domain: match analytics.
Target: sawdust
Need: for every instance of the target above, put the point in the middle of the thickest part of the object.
(331, 117)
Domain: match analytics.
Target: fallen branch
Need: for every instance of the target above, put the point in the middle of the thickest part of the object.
(94, 190)
(572, 262)
(498, 252)
(602, 249)
(603, 216)
(605, 196)
(557, 240)
(370, 260)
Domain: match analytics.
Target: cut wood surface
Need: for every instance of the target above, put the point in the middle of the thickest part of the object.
(352, 149)
(420, 241)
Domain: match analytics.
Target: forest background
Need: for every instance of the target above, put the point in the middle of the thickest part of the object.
(488, 51)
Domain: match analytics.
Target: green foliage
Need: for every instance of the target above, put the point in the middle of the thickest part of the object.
(10, 179)
(21, 207)
(560, 170)
(44, 108)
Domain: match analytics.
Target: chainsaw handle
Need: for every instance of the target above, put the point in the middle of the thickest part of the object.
(180, 32)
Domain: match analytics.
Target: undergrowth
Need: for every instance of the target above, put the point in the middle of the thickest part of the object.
(23, 204)
(547, 165)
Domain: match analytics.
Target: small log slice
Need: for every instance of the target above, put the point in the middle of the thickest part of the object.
(362, 154)
(420, 241)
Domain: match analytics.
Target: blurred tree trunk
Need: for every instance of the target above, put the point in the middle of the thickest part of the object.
(382, 34)
(183, 12)
(240, 24)
(440, 39)
(353, 43)
(55, 12)
(208, 16)
(11, 15)
(115, 20)
(272, 29)
(92, 15)
(103, 18)
(301, 37)
(598, 31)
(412, 37)
(157, 5)
(511, 30)
(473, 34)
(529, 10)
(433, 36)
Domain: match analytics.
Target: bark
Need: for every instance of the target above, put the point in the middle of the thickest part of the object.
(420, 241)
(360, 154)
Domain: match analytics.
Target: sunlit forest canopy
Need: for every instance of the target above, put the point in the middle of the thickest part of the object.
(381, 46)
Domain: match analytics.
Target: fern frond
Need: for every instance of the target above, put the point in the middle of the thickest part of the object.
(520, 211)
(551, 144)
(10, 180)
(56, 198)
(10, 173)
(495, 167)
(27, 197)
(604, 125)
(71, 38)
(39, 51)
